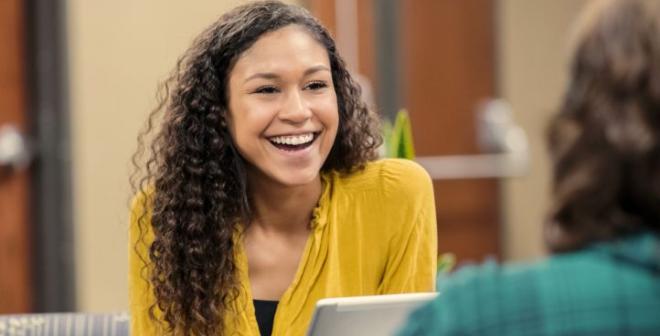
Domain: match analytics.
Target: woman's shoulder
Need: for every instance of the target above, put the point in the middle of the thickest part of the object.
(488, 294)
(510, 274)
(400, 167)
(389, 175)
(390, 191)
(586, 283)
(560, 274)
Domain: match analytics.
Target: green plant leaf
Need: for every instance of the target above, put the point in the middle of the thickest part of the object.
(400, 140)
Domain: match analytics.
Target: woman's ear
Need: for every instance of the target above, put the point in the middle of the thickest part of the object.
(226, 124)
(225, 120)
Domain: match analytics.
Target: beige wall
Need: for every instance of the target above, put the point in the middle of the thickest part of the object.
(118, 51)
(532, 58)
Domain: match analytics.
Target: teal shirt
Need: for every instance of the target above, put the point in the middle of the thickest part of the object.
(609, 288)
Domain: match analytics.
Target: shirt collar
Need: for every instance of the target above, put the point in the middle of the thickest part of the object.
(642, 249)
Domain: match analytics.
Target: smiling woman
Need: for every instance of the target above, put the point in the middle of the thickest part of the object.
(283, 107)
(259, 193)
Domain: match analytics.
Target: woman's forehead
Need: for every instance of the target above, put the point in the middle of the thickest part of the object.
(287, 48)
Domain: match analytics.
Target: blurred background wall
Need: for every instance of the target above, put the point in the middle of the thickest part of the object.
(532, 51)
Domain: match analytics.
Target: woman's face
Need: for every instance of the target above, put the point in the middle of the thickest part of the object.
(283, 113)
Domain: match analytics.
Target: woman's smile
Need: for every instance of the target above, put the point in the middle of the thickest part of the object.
(294, 143)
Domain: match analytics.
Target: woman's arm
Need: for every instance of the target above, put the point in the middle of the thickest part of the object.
(140, 295)
(412, 263)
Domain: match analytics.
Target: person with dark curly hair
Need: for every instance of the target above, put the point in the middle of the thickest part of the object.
(603, 277)
(259, 192)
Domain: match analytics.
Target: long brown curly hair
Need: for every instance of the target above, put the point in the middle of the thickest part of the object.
(194, 179)
(605, 141)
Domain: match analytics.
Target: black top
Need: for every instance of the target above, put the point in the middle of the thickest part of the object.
(265, 313)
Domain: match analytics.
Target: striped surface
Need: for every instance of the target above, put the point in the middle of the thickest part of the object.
(74, 324)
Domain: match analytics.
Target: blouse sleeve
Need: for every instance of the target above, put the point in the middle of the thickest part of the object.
(140, 295)
(412, 264)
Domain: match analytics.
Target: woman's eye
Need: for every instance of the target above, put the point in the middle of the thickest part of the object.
(266, 90)
(316, 85)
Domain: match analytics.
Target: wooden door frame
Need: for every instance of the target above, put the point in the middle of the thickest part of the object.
(379, 55)
(51, 202)
(16, 294)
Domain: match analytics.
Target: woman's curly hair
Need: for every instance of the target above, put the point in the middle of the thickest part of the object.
(605, 141)
(192, 179)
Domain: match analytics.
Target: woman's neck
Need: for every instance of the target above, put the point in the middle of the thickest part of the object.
(283, 209)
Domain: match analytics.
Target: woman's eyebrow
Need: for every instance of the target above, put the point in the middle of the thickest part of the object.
(315, 69)
(272, 75)
(262, 75)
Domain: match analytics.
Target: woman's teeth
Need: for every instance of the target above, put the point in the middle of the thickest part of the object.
(293, 140)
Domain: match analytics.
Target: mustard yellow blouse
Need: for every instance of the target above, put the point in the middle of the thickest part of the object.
(374, 232)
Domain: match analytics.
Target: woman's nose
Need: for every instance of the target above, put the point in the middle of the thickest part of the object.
(295, 110)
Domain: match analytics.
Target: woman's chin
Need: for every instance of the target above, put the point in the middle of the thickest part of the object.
(285, 175)
(298, 180)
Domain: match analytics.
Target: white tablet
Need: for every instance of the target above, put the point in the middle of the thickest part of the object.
(365, 315)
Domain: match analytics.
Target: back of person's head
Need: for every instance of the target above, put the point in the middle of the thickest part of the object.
(605, 141)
